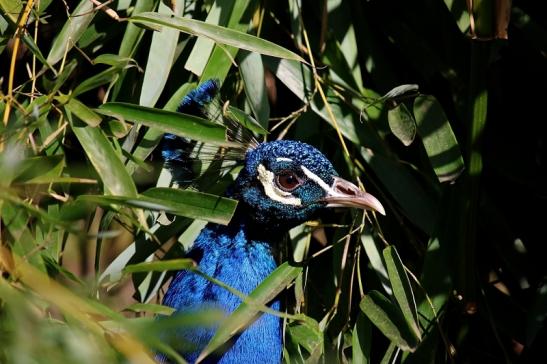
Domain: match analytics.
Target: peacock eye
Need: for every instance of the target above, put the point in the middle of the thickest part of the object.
(287, 181)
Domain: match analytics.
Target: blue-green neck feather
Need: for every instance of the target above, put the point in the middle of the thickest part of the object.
(230, 255)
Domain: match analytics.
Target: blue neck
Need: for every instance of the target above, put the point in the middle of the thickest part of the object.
(239, 255)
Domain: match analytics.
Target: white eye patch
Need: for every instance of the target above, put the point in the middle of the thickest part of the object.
(272, 191)
(328, 189)
(282, 159)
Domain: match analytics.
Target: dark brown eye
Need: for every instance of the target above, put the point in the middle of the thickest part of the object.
(287, 181)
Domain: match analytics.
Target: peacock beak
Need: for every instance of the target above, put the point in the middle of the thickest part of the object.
(346, 194)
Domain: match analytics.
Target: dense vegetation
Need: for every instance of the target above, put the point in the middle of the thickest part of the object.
(431, 109)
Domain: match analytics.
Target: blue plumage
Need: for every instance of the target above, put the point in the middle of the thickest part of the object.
(282, 184)
(196, 101)
(175, 150)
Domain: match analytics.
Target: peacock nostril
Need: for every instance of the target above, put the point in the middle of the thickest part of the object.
(341, 186)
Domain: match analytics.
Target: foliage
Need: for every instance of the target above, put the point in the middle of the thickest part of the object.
(91, 231)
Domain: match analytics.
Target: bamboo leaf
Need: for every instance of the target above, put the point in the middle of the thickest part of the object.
(73, 29)
(79, 109)
(438, 138)
(245, 119)
(195, 205)
(108, 165)
(218, 34)
(277, 281)
(160, 266)
(180, 124)
(402, 124)
(388, 318)
(252, 72)
(402, 290)
(160, 58)
(361, 340)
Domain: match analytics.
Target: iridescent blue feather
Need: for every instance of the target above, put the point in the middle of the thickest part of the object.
(175, 150)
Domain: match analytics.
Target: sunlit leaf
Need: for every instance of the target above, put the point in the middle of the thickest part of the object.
(218, 34)
(160, 266)
(106, 161)
(180, 124)
(438, 138)
(196, 205)
(73, 29)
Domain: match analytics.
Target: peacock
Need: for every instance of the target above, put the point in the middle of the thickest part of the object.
(282, 183)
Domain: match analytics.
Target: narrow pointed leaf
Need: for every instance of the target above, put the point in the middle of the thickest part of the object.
(389, 320)
(203, 47)
(160, 266)
(438, 138)
(245, 119)
(361, 340)
(245, 313)
(218, 34)
(108, 165)
(83, 112)
(188, 126)
(402, 290)
(372, 251)
(73, 29)
(160, 58)
(252, 72)
(222, 57)
(195, 205)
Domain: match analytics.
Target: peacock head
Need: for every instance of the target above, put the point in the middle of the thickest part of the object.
(285, 183)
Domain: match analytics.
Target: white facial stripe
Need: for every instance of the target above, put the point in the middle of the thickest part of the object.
(282, 159)
(328, 189)
(272, 191)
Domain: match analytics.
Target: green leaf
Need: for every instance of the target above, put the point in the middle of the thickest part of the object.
(62, 77)
(40, 169)
(79, 109)
(276, 282)
(11, 9)
(220, 61)
(388, 318)
(308, 335)
(361, 340)
(160, 266)
(73, 29)
(402, 124)
(372, 250)
(180, 124)
(218, 34)
(160, 58)
(390, 354)
(29, 42)
(402, 290)
(245, 119)
(438, 138)
(397, 92)
(252, 72)
(109, 75)
(151, 308)
(195, 205)
(203, 47)
(106, 161)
